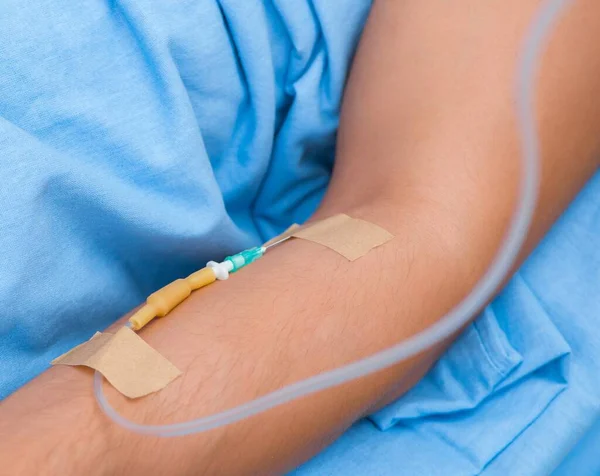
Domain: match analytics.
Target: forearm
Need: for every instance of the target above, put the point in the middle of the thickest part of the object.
(235, 341)
(438, 171)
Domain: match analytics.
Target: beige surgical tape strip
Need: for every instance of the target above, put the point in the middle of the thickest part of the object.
(350, 237)
(133, 367)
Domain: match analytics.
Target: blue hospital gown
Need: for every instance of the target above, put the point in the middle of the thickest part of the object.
(141, 138)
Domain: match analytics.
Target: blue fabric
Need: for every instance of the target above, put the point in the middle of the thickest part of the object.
(583, 459)
(141, 138)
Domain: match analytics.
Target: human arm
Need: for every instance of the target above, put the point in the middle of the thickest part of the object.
(428, 150)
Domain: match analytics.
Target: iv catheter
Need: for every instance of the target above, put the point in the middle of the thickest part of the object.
(163, 301)
(542, 25)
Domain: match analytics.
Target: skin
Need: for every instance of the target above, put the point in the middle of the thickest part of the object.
(427, 149)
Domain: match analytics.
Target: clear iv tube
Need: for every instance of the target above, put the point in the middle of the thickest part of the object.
(531, 53)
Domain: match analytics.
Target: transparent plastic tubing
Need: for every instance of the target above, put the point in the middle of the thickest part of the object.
(531, 53)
